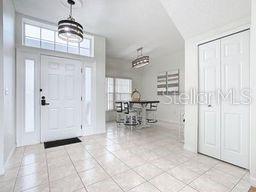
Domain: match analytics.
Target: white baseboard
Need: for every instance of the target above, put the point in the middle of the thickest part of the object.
(169, 122)
(94, 133)
(253, 181)
(189, 148)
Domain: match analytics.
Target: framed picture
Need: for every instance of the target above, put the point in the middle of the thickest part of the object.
(168, 83)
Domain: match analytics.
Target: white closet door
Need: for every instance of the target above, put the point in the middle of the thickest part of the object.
(235, 117)
(209, 113)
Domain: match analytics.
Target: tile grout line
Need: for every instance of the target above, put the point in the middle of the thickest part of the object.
(49, 183)
(104, 171)
(16, 178)
(75, 169)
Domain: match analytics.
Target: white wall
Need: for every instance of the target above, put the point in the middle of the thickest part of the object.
(9, 77)
(7, 82)
(253, 92)
(122, 68)
(166, 112)
(100, 56)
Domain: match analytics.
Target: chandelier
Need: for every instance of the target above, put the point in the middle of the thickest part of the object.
(141, 60)
(70, 30)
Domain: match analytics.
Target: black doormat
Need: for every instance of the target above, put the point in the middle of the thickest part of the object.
(58, 143)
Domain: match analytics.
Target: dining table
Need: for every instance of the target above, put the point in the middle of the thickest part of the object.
(143, 105)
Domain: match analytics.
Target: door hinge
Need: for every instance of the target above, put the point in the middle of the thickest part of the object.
(81, 127)
(81, 98)
(81, 70)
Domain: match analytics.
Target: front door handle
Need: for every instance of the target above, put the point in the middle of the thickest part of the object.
(43, 101)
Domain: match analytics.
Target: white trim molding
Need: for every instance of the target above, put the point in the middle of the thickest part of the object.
(253, 94)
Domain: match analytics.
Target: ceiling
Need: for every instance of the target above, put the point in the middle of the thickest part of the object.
(193, 17)
(126, 25)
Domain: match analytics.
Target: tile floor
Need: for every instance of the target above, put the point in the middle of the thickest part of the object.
(148, 160)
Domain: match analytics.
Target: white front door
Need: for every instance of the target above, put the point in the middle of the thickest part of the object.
(61, 88)
(209, 110)
(235, 117)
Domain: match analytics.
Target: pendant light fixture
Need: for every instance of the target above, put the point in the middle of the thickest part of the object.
(141, 60)
(70, 30)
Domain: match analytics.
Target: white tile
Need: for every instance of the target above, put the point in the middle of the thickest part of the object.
(231, 169)
(206, 160)
(167, 183)
(59, 172)
(93, 176)
(66, 184)
(32, 168)
(9, 174)
(33, 158)
(56, 154)
(197, 166)
(84, 165)
(183, 174)
(148, 171)
(188, 189)
(7, 186)
(30, 181)
(223, 178)
(242, 186)
(58, 162)
(81, 190)
(204, 183)
(145, 187)
(115, 168)
(128, 180)
(77, 156)
(164, 164)
(40, 188)
(107, 186)
(134, 161)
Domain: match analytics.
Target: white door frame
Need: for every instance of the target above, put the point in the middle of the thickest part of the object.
(20, 51)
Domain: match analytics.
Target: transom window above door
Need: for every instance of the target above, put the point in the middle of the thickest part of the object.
(46, 37)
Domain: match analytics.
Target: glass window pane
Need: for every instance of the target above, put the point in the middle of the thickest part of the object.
(85, 52)
(60, 45)
(29, 96)
(86, 43)
(47, 39)
(47, 45)
(123, 86)
(32, 42)
(73, 48)
(110, 93)
(47, 35)
(32, 31)
(88, 96)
